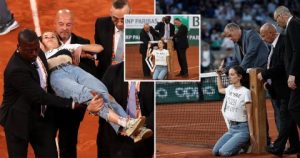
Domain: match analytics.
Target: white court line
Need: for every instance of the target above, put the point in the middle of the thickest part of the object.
(184, 152)
(35, 17)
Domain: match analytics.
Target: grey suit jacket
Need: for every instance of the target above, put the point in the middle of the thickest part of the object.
(254, 49)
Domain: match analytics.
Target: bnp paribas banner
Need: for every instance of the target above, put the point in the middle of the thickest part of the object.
(134, 24)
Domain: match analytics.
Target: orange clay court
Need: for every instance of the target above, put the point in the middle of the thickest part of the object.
(85, 12)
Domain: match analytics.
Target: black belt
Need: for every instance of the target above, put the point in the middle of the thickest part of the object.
(235, 123)
(59, 66)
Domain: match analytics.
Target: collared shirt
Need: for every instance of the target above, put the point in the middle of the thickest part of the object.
(167, 31)
(288, 22)
(116, 38)
(42, 73)
(69, 40)
(275, 41)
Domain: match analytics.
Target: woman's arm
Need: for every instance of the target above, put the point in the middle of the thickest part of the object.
(149, 50)
(95, 48)
(221, 88)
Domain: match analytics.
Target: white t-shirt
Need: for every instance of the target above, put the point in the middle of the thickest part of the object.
(236, 99)
(161, 57)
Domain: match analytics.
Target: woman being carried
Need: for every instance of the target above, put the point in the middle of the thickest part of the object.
(70, 81)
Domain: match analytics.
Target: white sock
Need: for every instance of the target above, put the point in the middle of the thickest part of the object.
(122, 121)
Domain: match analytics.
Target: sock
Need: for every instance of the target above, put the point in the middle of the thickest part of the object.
(122, 121)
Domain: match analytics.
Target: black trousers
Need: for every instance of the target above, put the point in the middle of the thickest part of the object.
(41, 137)
(146, 69)
(181, 55)
(294, 105)
(68, 123)
(288, 129)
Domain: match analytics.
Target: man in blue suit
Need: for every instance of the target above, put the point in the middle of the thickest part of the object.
(250, 50)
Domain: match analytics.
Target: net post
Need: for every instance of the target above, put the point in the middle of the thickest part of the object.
(259, 112)
(170, 47)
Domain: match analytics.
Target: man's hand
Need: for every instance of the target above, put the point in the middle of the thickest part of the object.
(259, 76)
(291, 82)
(76, 56)
(96, 103)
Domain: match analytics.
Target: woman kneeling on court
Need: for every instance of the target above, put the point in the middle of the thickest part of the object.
(237, 112)
(70, 81)
(161, 56)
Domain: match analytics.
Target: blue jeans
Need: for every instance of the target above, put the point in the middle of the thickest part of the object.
(233, 140)
(160, 72)
(72, 82)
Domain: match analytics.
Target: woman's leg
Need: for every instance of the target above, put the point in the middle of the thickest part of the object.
(239, 138)
(156, 73)
(163, 72)
(221, 142)
(72, 81)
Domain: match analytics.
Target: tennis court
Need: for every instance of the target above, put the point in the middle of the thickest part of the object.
(85, 12)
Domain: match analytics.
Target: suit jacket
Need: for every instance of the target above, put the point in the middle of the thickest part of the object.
(23, 96)
(180, 38)
(109, 143)
(292, 48)
(144, 37)
(276, 72)
(255, 51)
(161, 29)
(86, 64)
(104, 32)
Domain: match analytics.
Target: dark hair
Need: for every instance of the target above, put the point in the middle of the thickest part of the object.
(240, 71)
(27, 36)
(119, 4)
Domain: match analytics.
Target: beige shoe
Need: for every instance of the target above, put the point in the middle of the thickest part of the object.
(144, 133)
(133, 125)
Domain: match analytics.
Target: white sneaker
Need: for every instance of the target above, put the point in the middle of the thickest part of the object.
(144, 133)
(133, 125)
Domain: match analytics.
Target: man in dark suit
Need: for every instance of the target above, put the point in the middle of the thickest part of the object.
(108, 33)
(275, 80)
(165, 28)
(26, 112)
(68, 120)
(147, 34)
(111, 145)
(181, 44)
(291, 24)
(250, 50)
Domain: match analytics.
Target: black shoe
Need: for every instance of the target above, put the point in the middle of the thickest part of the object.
(290, 151)
(274, 151)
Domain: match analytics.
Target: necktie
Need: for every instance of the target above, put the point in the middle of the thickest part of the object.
(119, 50)
(131, 103)
(269, 57)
